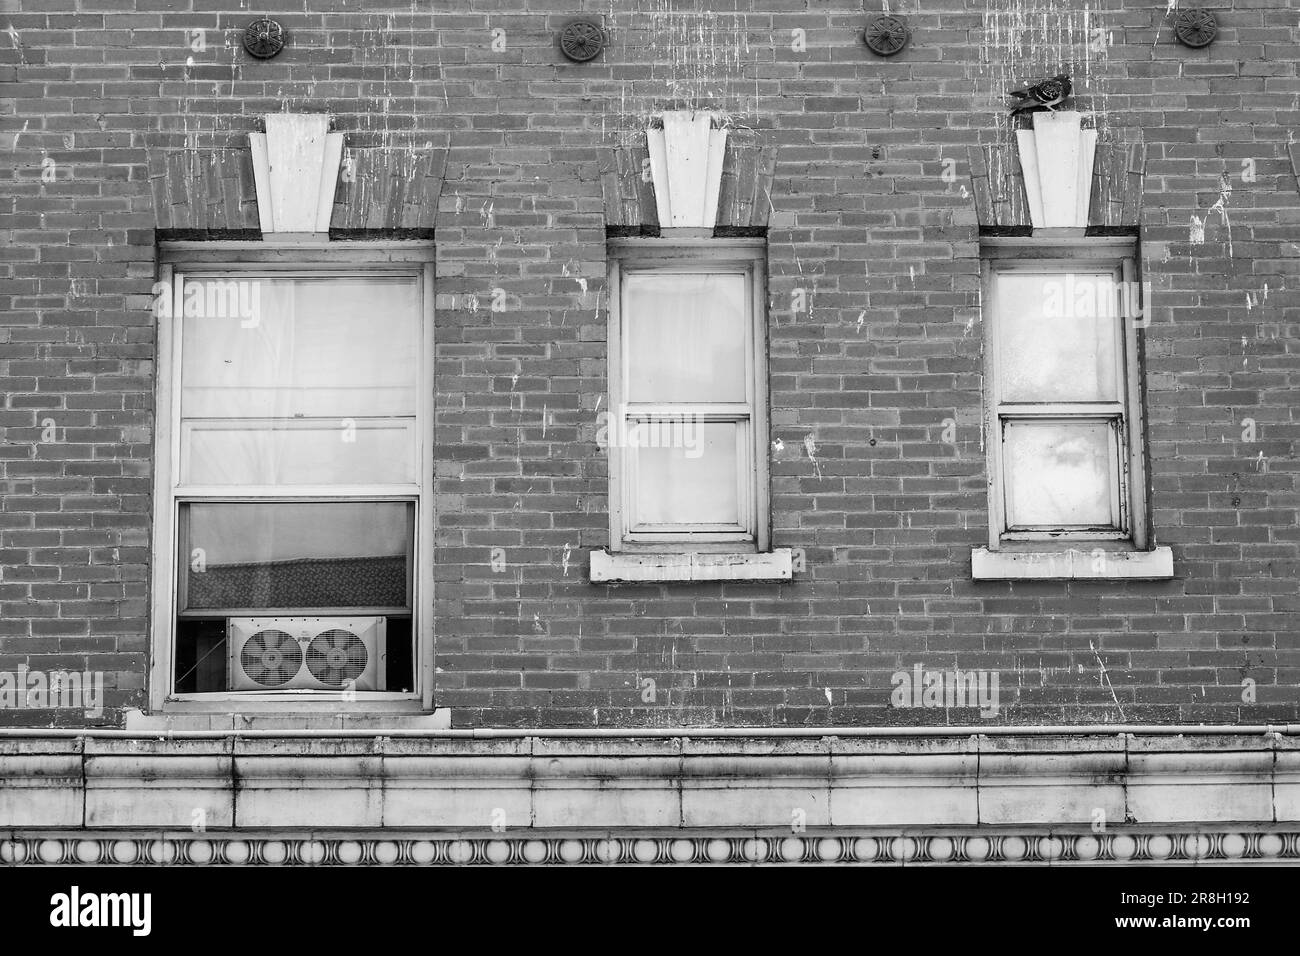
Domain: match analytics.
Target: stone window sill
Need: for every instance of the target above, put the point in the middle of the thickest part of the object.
(238, 718)
(621, 568)
(1072, 564)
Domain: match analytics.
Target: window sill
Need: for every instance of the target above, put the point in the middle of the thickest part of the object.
(634, 568)
(237, 718)
(1073, 564)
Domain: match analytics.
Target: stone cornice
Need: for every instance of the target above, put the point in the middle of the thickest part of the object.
(680, 784)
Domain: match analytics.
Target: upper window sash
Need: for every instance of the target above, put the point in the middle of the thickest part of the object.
(1083, 360)
(266, 399)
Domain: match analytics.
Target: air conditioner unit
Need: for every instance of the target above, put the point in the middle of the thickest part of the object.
(307, 653)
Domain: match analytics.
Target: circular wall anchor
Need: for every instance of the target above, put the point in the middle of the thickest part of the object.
(582, 40)
(1195, 27)
(264, 38)
(886, 34)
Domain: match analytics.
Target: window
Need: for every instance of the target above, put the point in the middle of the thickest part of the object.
(686, 429)
(293, 508)
(686, 396)
(1064, 428)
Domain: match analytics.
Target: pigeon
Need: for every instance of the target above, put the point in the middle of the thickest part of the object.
(1045, 95)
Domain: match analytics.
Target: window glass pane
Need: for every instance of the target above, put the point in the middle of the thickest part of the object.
(1058, 337)
(296, 555)
(330, 346)
(689, 482)
(1060, 474)
(353, 451)
(338, 354)
(685, 337)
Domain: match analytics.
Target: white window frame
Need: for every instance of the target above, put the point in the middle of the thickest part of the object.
(1129, 448)
(182, 259)
(705, 256)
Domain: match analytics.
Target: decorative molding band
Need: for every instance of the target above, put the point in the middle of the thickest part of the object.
(1042, 847)
(686, 155)
(296, 169)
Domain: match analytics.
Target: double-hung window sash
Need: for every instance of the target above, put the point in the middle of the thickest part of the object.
(297, 404)
(688, 411)
(1064, 384)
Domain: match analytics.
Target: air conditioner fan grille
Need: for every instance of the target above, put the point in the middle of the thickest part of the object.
(337, 657)
(270, 658)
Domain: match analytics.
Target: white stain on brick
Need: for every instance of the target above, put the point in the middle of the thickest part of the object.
(16, 39)
(810, 446)
(1221, 207)
(1104, 678)
(1024, 41)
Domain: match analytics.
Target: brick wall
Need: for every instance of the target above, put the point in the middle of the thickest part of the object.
(872, 226)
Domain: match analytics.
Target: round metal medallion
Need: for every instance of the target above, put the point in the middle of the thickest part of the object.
(1195, 28)
(264, 38)
(886, 34)
(582, 40)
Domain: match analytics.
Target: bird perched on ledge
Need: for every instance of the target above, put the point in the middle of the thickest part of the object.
(1046, 95)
